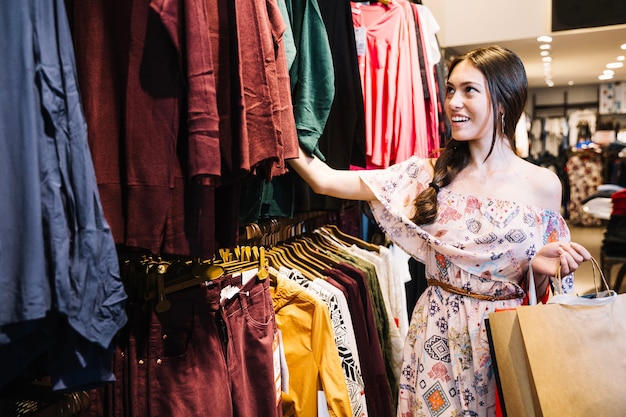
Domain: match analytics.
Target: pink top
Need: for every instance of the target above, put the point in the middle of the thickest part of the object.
(393, 95)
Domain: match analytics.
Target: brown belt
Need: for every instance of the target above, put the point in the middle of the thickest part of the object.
(466, 293)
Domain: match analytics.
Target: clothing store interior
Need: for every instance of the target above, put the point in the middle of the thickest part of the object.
(166, 261)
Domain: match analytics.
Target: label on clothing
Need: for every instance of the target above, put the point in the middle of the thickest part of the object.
(247, 275)
(276, 348)
(228, 292)
(284, 370)
(361, 43)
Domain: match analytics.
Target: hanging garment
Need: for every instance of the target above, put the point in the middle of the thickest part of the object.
(390, 77)
(62, 300)
(310, 351)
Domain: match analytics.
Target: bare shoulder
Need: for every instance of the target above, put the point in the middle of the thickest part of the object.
(545, 186)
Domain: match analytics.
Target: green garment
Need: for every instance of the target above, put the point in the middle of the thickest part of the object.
(312, 73)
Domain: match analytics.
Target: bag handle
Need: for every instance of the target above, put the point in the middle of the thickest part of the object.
(599, 297)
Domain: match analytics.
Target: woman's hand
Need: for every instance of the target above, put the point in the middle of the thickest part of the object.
(568, 254)
(547, 260)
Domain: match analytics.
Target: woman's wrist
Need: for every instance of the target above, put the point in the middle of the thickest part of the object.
(540, 280)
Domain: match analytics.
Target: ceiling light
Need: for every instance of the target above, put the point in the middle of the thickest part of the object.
(608, 72)
(620, 58)
(615, 65)
(545, 53)
(544, 46)
(623, 46)
(550, 83)
(605, 77)
(545, 38)
(547, 59)
(570, 83)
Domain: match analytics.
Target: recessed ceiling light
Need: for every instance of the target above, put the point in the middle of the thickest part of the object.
(570, 83)
(550, 83)
(608, 72)
(547, 59)
(620, 58)
(623, 46)
(544, 38)
(544, 46)
(545, 53)
(605, 77)
(615, 65)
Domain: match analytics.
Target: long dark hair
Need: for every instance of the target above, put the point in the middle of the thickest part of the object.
(508, 87)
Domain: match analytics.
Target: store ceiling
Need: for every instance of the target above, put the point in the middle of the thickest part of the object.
(578, 56)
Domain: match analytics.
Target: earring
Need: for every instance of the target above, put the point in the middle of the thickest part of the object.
(502, 123)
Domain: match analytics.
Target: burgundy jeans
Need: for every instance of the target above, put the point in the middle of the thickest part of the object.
(206, 356)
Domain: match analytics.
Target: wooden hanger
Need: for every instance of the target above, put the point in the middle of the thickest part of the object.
(162, 283)
(350, 240)
(316, 252)
(294, 261)
(309, 256)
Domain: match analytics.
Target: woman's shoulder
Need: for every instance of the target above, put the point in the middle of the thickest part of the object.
(545, 186)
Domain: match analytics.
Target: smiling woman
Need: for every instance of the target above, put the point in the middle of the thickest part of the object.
(476, 217)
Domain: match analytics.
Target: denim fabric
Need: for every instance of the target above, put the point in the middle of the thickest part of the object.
(57, 253)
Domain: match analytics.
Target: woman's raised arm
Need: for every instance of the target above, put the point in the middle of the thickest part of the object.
(344, 184)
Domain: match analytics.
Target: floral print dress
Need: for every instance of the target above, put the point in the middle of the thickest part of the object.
(478, 244)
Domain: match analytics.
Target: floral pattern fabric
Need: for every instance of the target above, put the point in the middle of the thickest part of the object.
(478, 244)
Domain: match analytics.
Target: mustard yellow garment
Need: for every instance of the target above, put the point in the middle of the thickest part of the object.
(311, 353)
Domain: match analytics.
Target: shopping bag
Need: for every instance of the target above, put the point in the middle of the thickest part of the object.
(516, 390)
(564, 358)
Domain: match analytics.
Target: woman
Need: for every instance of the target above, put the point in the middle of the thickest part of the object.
(477, 217)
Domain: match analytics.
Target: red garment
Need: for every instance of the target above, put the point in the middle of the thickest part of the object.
(395, 113)
(191, 37)
(618, 200)
(268, 129)
(160, 81)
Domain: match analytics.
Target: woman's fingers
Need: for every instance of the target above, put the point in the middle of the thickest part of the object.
(572, 255)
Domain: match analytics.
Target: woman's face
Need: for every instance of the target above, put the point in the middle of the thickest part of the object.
(468, 104)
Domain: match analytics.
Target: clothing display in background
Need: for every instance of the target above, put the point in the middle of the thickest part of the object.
(615, 164)
(396, 73)
(548, 135)
(582, 124)
(184, 103)
(62, 299)
(584, 170)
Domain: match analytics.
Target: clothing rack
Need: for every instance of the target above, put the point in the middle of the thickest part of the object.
(272, 231)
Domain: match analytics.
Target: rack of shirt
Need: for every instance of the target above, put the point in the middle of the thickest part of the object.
(323, 307)
(179, 106)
